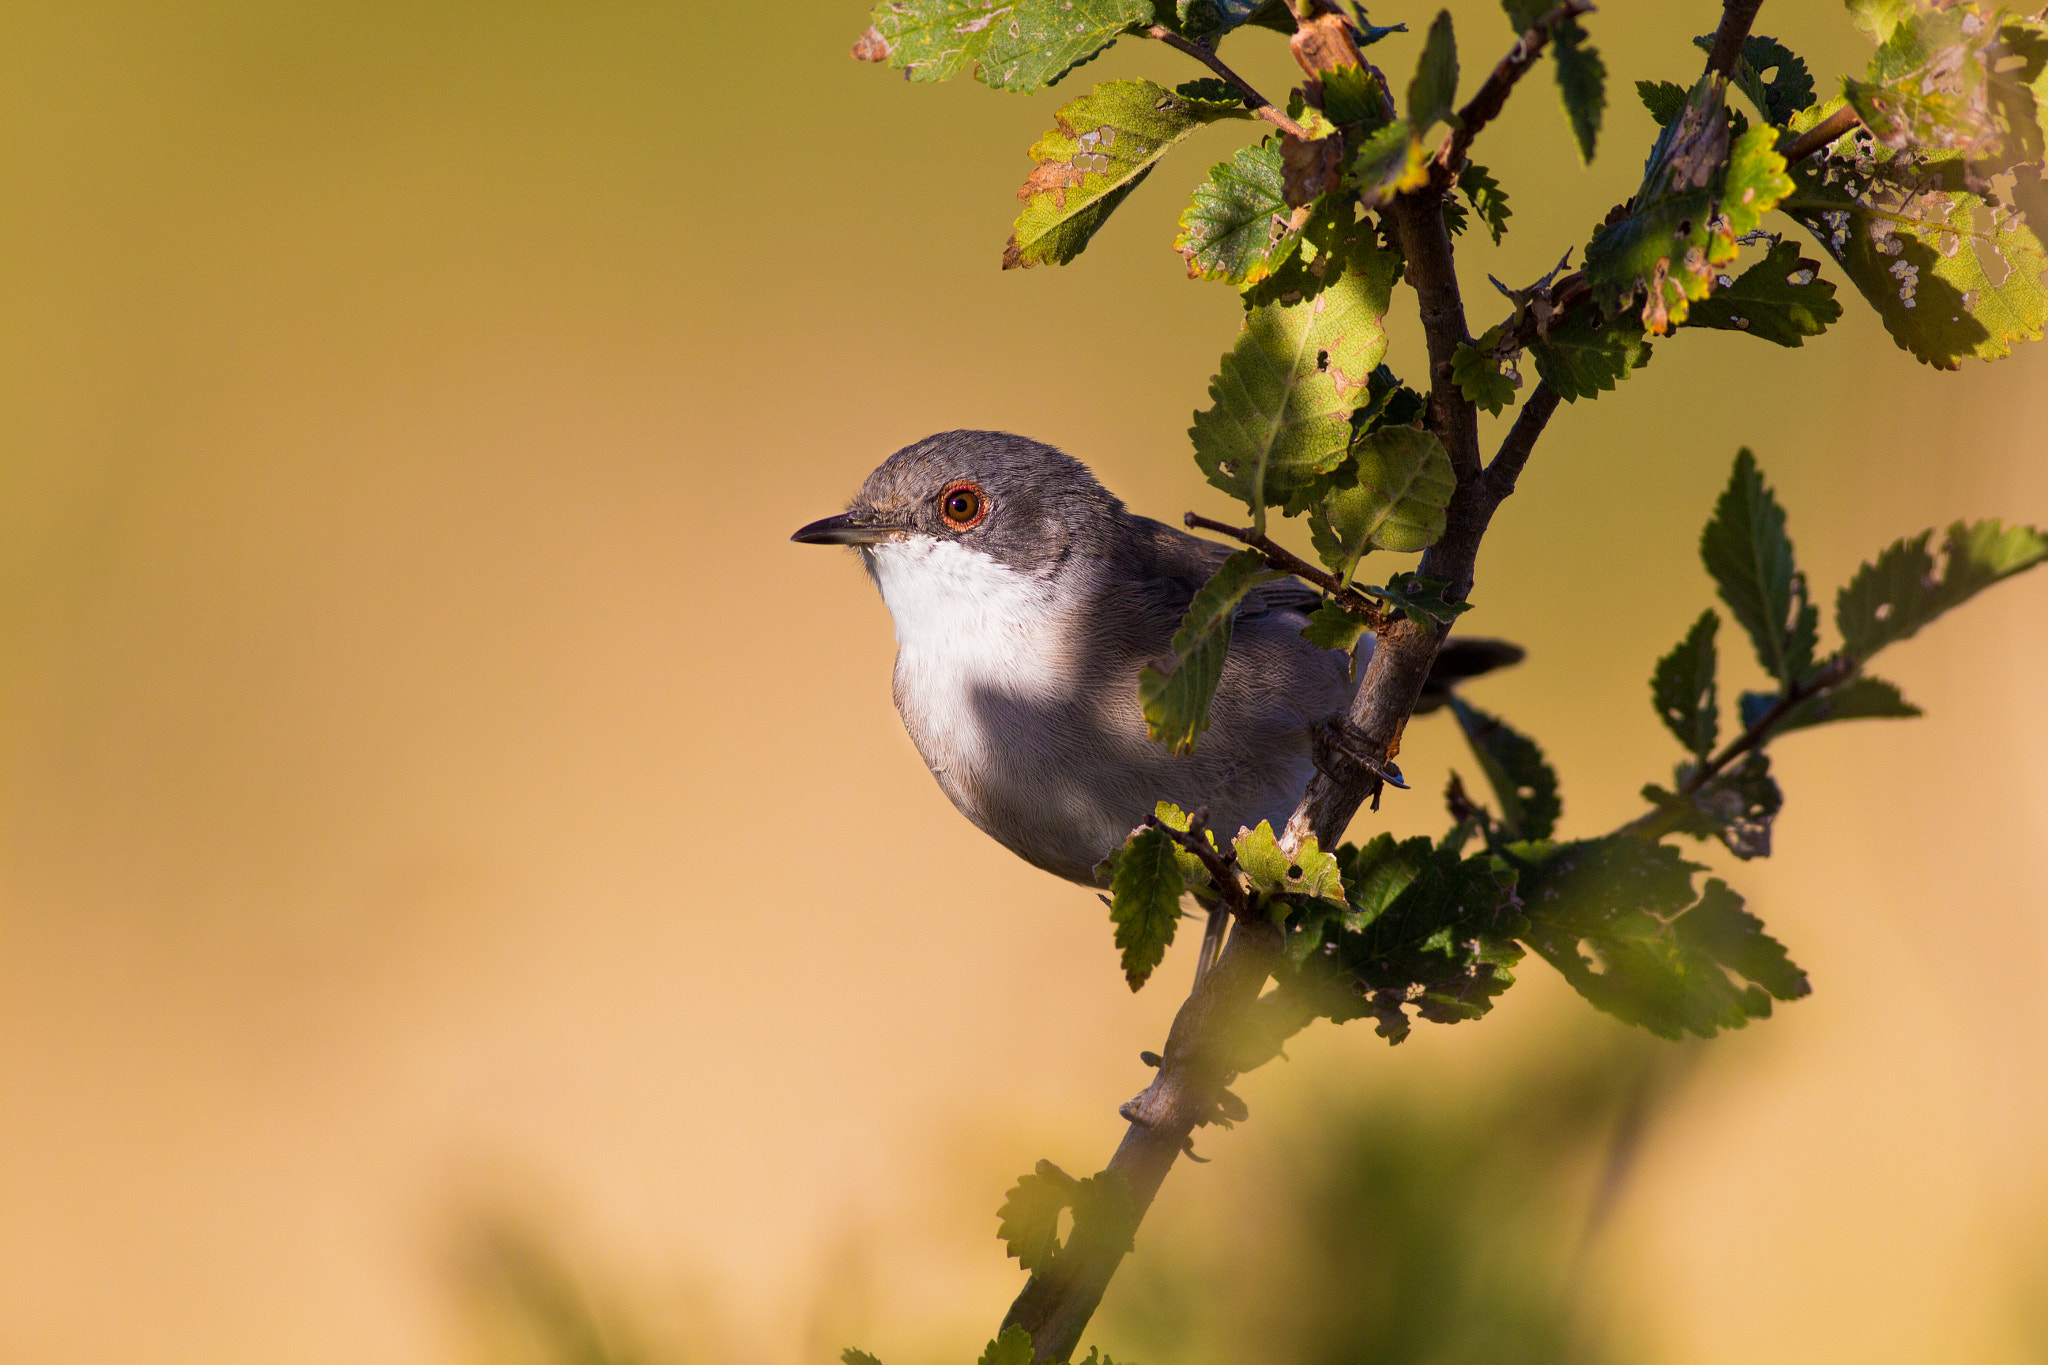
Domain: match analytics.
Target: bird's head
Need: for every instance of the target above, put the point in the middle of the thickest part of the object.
(1020, 503)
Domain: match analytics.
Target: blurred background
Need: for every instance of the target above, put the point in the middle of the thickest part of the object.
(465, 894)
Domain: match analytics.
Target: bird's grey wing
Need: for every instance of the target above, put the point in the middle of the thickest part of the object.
(1168, 553)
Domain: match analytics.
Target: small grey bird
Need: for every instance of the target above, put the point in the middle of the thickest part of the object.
(1026, 600)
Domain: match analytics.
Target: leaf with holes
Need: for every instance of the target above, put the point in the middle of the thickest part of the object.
(1587, 356)
(1782, 95)
(1389, 495)
(1781, 298)
(1042, 40)
(1737, 806)
(1029, 1225)
(1236, 230)
(1434, 90)
(1660, 957)
(1176, 703)
(1311, 872)
(1683, 688)
(1144, 901)
(1523, 783)
(1424, 601)
(934, 40)
(1892, 599)
(1746, 550)
(1105, 144)
(1284, 395)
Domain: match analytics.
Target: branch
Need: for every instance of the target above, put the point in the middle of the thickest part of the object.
(1485, 106)
(1736, 18)
(1260, 105)
(1214, 861)
(1521, 441)
(1279, 557)
(1821, 135)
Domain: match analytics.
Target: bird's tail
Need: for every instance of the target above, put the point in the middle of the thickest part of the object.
(1463, 658)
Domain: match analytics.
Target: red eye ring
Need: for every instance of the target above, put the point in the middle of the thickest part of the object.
(963, 504)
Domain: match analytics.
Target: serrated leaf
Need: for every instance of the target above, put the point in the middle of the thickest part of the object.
(1487, 198)
(1892, 599)
(1029, 1220)
(1212, 19)
(1011, 1347)
(1390, 160)
(934, 40)
(1699, 195)
(1523, 783)
(1425, 601)
(1905, 227)
(1177, 703)
(1581, 81)
(1781, 298)
(1664, 99)
(1684, 691)
(1434, 91)
(1746, 550)
(1355, 96)
(1103, 146)
(1284, 395)
(1477, 372)
(1390, 495)
(1332, 627)
(1311, 872)
(1861, 698)
(1631, 904)
(1782, 95)
(850, 1356)
(1144, 901)
(1042, 40)
(1737, 807)
(1588, 355)
(1237, 229)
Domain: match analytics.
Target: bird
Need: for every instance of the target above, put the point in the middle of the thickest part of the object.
(1026, 600)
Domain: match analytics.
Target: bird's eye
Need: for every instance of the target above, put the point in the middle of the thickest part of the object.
(963, 506)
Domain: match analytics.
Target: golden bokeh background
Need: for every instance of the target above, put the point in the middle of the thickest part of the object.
(440, 810)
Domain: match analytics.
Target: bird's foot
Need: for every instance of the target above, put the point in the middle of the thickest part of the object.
(1342, 753)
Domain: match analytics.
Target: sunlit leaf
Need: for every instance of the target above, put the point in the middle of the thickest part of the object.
(1237, 228)
(1390, 495)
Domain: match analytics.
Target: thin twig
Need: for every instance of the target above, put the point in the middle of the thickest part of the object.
(1278, 556)
(1214, 861)
(1485, 106)
(1736, 18)
(1202, 53)
(1822, 134)
(1521, 440)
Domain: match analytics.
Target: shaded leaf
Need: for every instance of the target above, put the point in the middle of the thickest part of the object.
(1892, 599)
(1746, 550)
(1177, 703)
(1236, 230)
(1103, 147)
(1781, 298)
(1422, 600)
(1588, 355)
(1664, 99)
(1434, 91)
(1011, 1347)
(1390, 495)
(1029, 1220)
(1214, 18)
(1144, 901)
(1737, 807)
(1331, 627)
(849, 1356)
(1487, 198)
(1523, 783)
(1284, 395)
(1782, 95)
(1581, 81)
(1614, 916)
(1477, 371)
(1683, 688)
(1861, 698)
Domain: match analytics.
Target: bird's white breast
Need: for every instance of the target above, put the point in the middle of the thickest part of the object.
(967, 625)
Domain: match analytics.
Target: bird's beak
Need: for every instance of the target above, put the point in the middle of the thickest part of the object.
(845, 529)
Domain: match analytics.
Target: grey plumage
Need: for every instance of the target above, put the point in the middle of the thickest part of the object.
(1021, 635)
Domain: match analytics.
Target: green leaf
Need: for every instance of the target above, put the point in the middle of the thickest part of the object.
(1030, 1216)
(1781, 298)
(935, 40)
(1737, 807)
(1212, 19)
(1422, 600)
(1434, 91)
(1785, 93)
(1861, 698)
(1698, 197)
(1390, 495)
(1582, 81)
(1144, 901)
(1285, 393)
(1892, 599)
(1683, 688)
(1905, 228)
(1012, 1347)
(1042, 40)
(849, 1356)
(1355, 96)
(1311, 872)
(1391, 160)
(1588, 355)
(1332, 627)
(1523, 783)
(1103, 146)
(1477, 371)
(1746, 550)
(1488, 199)
(1237, 228)
(1177, 703)
(1664, 99)
(1659, 957)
